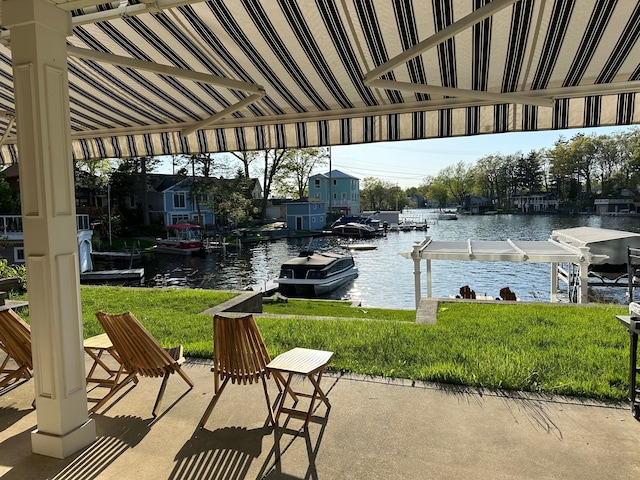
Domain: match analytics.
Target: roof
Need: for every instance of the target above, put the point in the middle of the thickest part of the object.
(334, 174)
(502, 251)
(187, 76)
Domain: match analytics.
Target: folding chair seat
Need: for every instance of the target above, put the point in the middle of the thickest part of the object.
(139, 353)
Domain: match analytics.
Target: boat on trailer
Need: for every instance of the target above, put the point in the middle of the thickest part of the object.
(182, 239)
(314, 274)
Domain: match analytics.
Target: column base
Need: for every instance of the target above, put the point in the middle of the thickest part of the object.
(62, 446)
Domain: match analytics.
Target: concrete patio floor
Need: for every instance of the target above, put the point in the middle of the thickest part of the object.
(376, 428)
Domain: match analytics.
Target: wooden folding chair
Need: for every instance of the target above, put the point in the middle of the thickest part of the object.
(139, 354)
(239, 355)
(15, 338)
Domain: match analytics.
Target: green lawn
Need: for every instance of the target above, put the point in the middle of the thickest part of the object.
(543, 348)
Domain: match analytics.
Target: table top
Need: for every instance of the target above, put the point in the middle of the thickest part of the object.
(101, 341)
(632, 323)
(301, 360)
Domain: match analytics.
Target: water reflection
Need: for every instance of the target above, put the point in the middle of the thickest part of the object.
(386, 278)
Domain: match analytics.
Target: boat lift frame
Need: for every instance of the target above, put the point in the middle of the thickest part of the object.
(552, 251)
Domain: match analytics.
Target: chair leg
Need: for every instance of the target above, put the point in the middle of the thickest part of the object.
(214, 400)
(185, 377)
(115, 389)
(266, 396)
(163, 387)
(15, 375)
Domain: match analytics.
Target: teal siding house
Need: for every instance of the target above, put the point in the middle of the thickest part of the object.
(306, 215)
(341, 192)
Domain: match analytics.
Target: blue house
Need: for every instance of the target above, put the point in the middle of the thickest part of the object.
(341, 192)
(306, 215)
(180, 206)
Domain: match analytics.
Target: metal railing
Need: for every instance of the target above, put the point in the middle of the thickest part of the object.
(11, 225)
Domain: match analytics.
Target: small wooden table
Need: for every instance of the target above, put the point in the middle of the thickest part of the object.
(301, 361)
(95, 347)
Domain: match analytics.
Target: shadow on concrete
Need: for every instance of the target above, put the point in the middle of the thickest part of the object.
(224, 453)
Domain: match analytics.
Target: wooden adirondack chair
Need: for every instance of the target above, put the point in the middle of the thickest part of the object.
(15, 340)
(239, 355)
(139, 354)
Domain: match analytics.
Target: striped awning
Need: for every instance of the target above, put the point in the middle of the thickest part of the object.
(160, 77)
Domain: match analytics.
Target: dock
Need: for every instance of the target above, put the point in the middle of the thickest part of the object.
(112, 275)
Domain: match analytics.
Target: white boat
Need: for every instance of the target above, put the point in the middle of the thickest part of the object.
(447, 216)
(182, 239)
(312, 274)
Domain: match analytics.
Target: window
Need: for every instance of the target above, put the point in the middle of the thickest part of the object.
(317, 195)
(202, 198)
(179, 218)
(179, 200)
(316, 182)
(18, 254)
(335, 182)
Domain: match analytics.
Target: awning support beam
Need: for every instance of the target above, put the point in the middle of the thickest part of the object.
(463, 93)
(112, 59)
(439, 37)
(223, 113)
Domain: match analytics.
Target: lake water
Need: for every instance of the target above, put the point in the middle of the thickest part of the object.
(386, 279)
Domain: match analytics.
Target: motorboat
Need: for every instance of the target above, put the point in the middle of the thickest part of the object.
(360, 219)
(182, 239)
(314, 274)
(447, 216)
(353, 229)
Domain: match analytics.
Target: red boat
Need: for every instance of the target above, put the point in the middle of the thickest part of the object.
(182, 239)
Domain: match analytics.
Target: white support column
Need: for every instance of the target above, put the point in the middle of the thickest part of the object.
(429, 282)
(415, 254)
(584, 275)
(39, 55)
(554, 282)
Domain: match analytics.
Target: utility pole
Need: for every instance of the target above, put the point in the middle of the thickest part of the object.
(330, 182)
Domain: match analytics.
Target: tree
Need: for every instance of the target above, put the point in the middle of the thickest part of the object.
(439, 193)
(377, 195)
(293, 177)
(608, 159)
(131, 176)
(582, 150)
(528, 171)
(273, 161)
(98, 171)
(246, 159)
(458, 179)
(230, 200)
(9, 199)
(561, 168)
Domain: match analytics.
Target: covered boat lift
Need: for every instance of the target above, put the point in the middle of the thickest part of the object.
(552, 251)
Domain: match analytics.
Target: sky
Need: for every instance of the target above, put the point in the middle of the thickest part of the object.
(407, 163)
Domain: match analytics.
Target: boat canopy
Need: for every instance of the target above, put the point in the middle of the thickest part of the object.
(552, 251)
(184, 226)
(602, 241)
